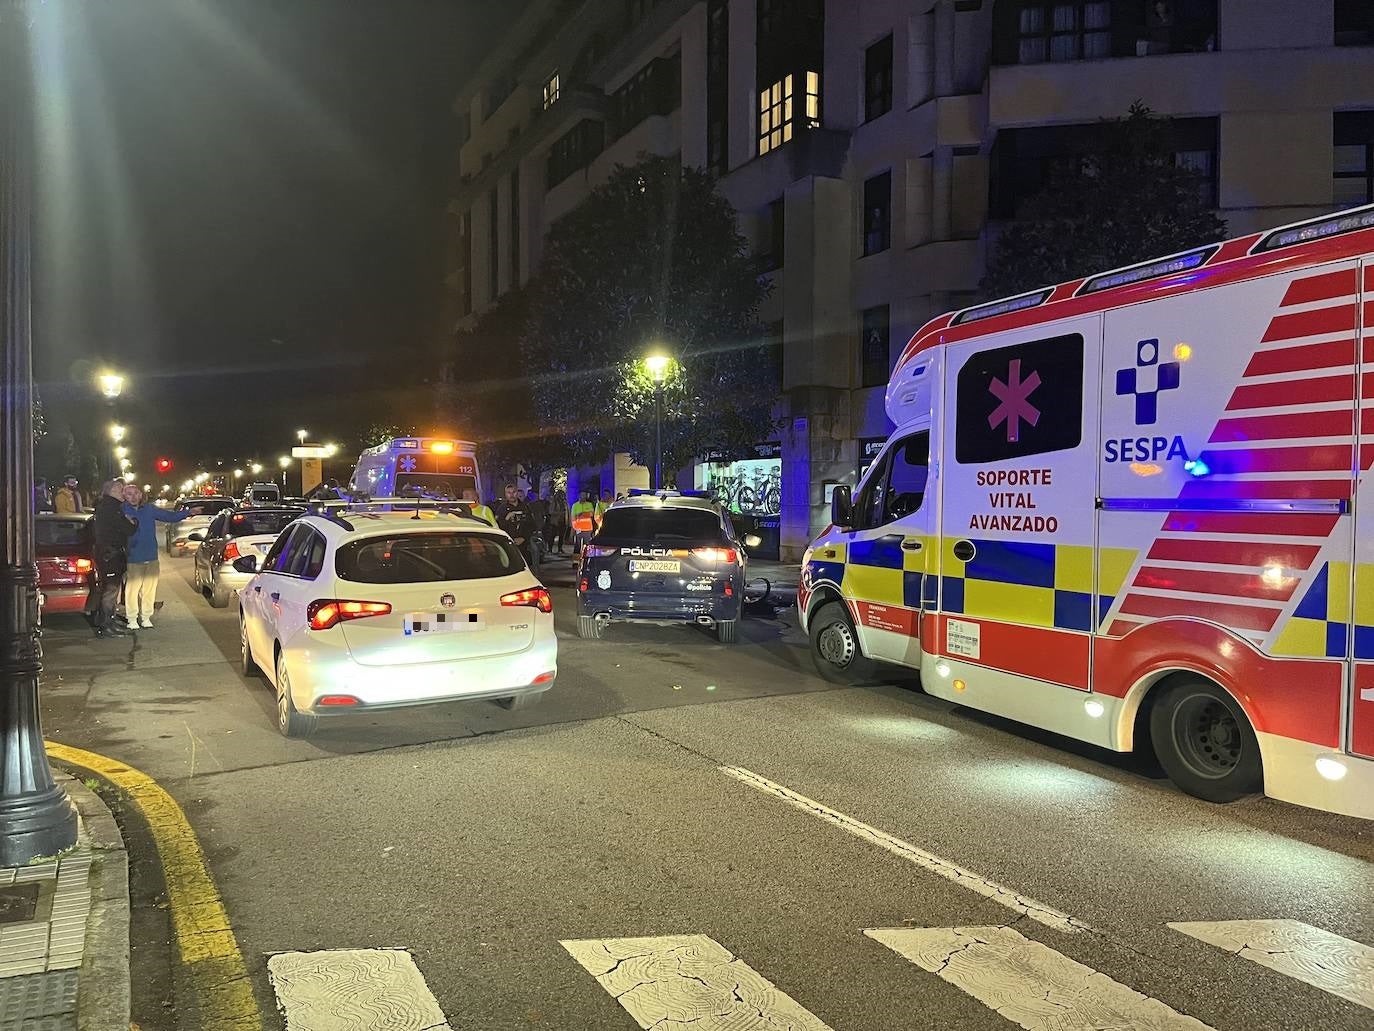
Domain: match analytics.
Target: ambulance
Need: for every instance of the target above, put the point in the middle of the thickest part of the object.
(1137, 510)
(434, 467)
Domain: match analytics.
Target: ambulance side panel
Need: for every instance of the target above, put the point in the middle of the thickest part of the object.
(1361, 624)
(1227, 530)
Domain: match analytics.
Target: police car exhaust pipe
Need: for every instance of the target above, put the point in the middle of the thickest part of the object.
(705, 621)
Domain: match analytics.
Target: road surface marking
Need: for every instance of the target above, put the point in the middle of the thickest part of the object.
(1308, 954)
(980, 885)
(1029, 983)
(669, 981)
(353, 990)
(215, 972)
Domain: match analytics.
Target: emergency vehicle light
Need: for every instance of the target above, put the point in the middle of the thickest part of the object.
(1149, 270)
(1319, 230)
(442, 447)
(987, 311)
(406, 445)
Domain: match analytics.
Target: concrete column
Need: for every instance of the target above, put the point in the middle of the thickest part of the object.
(944, 48)
(942, 192)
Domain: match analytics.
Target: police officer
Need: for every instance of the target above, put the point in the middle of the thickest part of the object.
(583, 521)
(476, 507)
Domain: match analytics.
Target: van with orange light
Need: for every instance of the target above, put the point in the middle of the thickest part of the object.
(434, 467)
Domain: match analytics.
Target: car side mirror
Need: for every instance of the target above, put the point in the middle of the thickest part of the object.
(752, 540)
(197, 536)
(246, 564)
(841, 507)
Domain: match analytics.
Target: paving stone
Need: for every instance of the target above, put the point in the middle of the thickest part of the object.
(26, 1000)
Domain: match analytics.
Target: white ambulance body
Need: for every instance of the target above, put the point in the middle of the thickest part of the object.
(431, 466)
(1137, 509)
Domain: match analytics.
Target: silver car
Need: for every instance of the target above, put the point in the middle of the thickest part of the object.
(201, 510)
(233, 534)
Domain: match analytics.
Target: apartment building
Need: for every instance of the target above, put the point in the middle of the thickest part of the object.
(872, 147)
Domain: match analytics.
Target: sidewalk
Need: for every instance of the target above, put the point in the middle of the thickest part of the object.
(64, 931)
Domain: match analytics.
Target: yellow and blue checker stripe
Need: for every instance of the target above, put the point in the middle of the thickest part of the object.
(1321, 624)
(1029, 583)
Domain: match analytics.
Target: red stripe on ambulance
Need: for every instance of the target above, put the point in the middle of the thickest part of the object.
(1302, 358)
(1233, 553)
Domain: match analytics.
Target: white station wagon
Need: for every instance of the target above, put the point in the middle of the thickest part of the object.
(357, 610)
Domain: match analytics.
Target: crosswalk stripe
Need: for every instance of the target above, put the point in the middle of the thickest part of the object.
(1308, 954)
(668, 981)
(1029, 983)
(353, 990)
(976, 883)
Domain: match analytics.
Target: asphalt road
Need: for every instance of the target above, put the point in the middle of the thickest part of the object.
(626, 806)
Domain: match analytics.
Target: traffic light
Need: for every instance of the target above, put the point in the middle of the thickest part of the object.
(164, 465)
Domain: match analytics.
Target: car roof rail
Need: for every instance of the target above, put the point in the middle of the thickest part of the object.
(333, 509)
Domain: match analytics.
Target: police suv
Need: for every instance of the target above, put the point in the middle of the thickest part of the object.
(663, 557)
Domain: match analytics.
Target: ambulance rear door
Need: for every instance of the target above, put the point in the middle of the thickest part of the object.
(1018, 494)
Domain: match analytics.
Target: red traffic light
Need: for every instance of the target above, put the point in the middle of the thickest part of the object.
(164, 465)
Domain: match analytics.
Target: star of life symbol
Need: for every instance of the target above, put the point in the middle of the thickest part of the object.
(1014, 395)
(408, 464)
(1146, 380)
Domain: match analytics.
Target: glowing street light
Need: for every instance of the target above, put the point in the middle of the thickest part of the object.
(116, 433)
(124, 463)
(330, 450)
(301, 435)
(111, 384)
(238, 474)
(657, 365)
(121, 452)
(129, 477)
(256, 467)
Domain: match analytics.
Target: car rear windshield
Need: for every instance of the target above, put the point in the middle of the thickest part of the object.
(413, 558)
(206, 508)
(259, 522)
(660, 524)
(53, 535)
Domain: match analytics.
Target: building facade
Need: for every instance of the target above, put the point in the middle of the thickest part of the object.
(873, 147)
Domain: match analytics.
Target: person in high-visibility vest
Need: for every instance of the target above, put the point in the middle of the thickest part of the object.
(583, 521)
(601, 506)
(478, 509)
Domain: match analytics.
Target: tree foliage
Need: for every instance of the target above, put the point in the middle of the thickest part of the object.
(1126, 202)
(651, 261)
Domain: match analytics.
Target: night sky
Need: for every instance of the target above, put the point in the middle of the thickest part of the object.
(241, 207)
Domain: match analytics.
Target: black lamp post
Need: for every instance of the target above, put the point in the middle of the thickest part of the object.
(36, 816)
(657, 364)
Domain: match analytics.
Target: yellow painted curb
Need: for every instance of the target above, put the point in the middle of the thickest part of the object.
(215, 970)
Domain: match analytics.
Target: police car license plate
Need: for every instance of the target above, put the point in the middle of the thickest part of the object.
(655, 565)
(442, 622)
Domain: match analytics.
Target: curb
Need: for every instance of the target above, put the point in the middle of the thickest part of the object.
(103, 991)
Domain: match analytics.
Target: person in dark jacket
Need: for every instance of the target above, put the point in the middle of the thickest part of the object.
(513, 515)
(112, 532)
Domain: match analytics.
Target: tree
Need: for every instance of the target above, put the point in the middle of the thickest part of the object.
(651, 260)
(1126, 202)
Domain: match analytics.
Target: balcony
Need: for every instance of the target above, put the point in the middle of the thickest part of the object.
(1031, 32)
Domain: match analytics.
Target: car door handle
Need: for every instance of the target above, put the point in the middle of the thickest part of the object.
(257, 589)
(275, 596)
(911, 544)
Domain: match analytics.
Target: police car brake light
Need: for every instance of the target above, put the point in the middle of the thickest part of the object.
(727, 555)
(598, 551)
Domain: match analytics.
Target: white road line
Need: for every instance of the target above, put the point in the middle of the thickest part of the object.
(1309, 954)
(668, 981)
(976, 883)
(1029, 983)
(353, 990)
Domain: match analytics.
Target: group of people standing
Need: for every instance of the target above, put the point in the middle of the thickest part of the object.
(523, 515)
(125, 554)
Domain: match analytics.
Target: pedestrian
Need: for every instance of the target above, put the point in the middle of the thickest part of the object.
(558, 520)
(600, 514)
(140, 582)
(42, 499)
(111, 553)
(583, 521)
(513, 515)
(67, 501)
(476, 507)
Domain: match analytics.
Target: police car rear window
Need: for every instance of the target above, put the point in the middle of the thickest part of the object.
(660, 524)
(414, 558)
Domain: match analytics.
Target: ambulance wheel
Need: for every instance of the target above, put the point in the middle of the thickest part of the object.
(835, 647)
(1204, 741)
(589, 628)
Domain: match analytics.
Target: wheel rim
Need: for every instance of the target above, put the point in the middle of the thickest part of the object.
(283, 696)
(243, 642)
(1208, 736)
(836, 644)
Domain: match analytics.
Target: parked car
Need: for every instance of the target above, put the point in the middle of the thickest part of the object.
(232, 534)
(663, 557)
(65, 564)
(202, 511)
(360, 610)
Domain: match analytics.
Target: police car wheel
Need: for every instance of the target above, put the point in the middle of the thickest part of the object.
(835, 647)
(589, 628)
(1204, 741)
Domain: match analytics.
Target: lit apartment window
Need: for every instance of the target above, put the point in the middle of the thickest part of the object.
(1064, 31)
(551, 91)
(873, 346)
(878, 79)
(878, 213)
(1353, 158)
(777, 114)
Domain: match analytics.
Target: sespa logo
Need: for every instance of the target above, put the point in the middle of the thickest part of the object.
(1144, 382)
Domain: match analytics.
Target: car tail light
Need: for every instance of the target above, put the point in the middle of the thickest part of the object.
(544, 678)
(727, 555)
(76, 565)
(535, 597)
(583, 585)
(729, 589)
(337, 699)
(324, 613)
(598, 551)
(231, 551)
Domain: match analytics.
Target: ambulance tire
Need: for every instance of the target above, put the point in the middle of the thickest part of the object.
(835, 647)
(1204, 741)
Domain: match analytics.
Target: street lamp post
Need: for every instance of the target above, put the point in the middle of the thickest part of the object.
(36, 816)
(657, 364)
(285, 464)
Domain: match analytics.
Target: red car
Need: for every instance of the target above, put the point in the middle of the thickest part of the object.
(65, 565)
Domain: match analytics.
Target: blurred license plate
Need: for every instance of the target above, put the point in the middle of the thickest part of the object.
(442, 622)
(655, 565)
